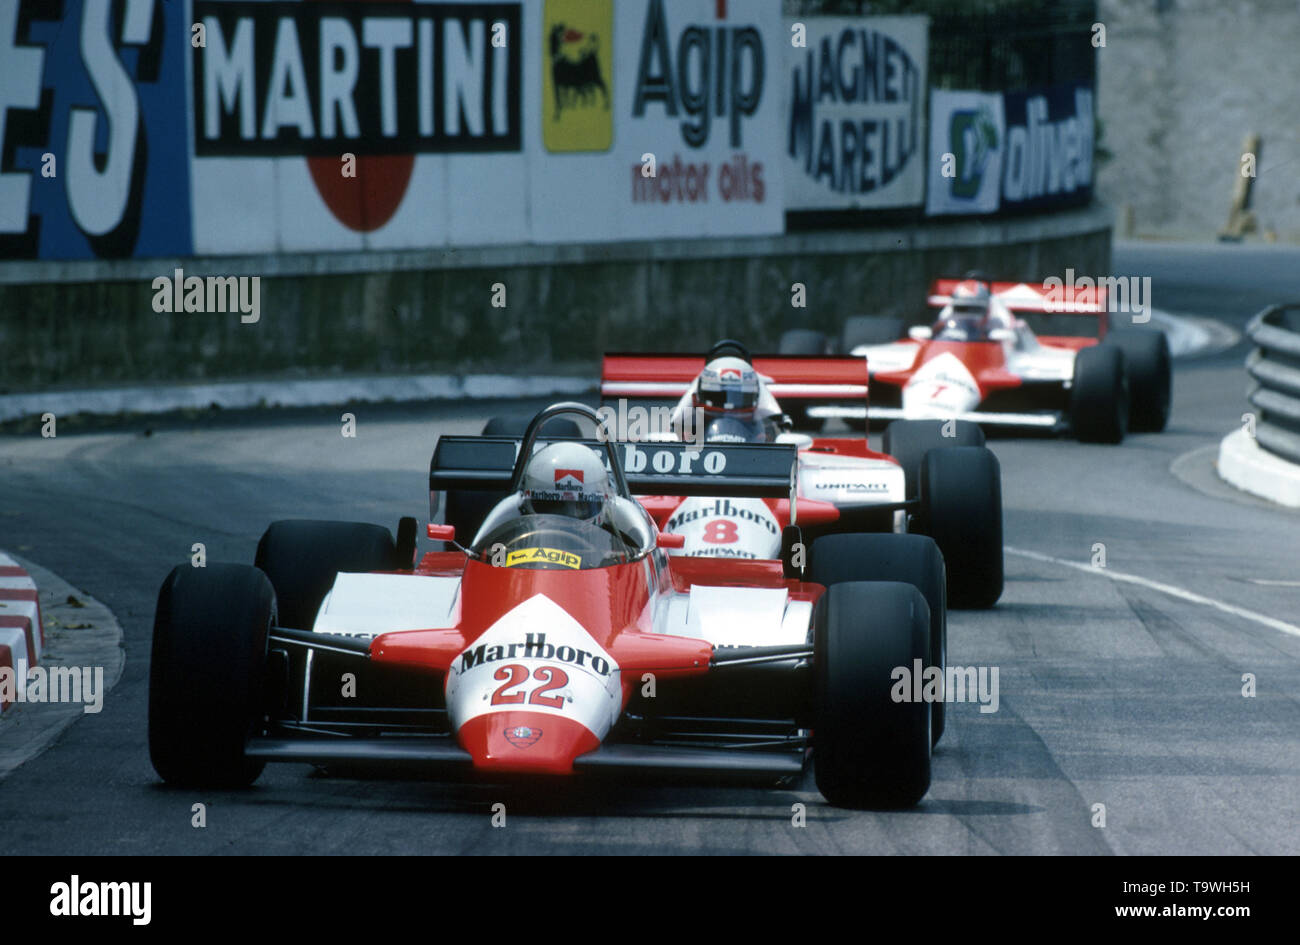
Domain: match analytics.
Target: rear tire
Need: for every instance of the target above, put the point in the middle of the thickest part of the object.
(301, 558)
(466, 509)
(868, 750)
(870, 330)
(909, 440)
(1149, 371)
(207, 675)
(961, 509)
(907, 559)
(1099, 395)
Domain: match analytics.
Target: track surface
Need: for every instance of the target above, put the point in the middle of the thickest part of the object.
(1111, 692)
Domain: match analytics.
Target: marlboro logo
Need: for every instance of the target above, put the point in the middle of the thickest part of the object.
(568, 480)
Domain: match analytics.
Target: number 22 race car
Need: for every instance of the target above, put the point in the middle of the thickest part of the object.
(561, 639)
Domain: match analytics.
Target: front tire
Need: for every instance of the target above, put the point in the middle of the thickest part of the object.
(870, 330)
(908, 559)
(207, 674)
(870, 751)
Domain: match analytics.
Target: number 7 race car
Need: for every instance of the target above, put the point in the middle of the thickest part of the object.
(983, 363)
(561, 639)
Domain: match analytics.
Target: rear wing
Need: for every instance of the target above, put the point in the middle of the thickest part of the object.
(758, 470)
(809, 379)
(1036, 298)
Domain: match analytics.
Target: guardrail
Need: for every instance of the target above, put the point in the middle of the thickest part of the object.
(1275, 366)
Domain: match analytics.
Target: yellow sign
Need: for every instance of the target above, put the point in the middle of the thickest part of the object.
(543, 556)
(577, 84)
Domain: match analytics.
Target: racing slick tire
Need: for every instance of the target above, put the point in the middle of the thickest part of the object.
(466, 509)
(961, 509)
(908, 559)
(207, 674)
(870, 751)
(1148, 369)
(909, 440)
(870, 330)
(1099, 395)
(803, 341)
(301, 559)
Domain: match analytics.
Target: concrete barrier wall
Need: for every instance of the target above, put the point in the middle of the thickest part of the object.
(90, 323)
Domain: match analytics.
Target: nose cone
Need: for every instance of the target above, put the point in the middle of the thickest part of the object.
(513, 742)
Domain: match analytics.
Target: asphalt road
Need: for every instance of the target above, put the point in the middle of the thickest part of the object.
(1111, 692)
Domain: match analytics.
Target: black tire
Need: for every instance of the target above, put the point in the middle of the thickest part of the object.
(868, 750)
(466, 509)
(207, 675)
(1149, 371)
(803, 341)
(909, 440)
(302, 557)
(870, 330)
(961, 509)
(1099, 395)
(908, 559)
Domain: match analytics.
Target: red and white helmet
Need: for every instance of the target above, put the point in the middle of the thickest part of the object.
(727, 385)
(970, 296)
(567, 479)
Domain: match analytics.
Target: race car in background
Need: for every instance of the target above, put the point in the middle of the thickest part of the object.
(559, 640)
(981, 362)
(930, 480)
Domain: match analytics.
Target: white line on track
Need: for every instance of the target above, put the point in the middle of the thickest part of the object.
(1171, 590)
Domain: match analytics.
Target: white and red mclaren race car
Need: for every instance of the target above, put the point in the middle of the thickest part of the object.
(935, 478)
(983, 363)
(553, 645)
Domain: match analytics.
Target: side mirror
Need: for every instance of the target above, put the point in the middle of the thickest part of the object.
(919, 333)
(441, 532)
(1002, 334)
(670, 540)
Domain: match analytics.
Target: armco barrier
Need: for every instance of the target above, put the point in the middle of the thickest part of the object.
(1275, 366)
(90, 323)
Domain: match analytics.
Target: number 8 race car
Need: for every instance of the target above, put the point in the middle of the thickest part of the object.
(554, 644)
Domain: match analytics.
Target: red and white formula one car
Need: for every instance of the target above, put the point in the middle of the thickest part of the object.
(561, 639)
(935, 477)
(981, 362)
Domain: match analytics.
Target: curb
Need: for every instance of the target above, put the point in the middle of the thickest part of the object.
(78, 631)
(1244, 465)
(22, 634)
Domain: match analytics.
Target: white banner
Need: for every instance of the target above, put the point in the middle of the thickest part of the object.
(353, 125)
(855, 126)
(967, 141)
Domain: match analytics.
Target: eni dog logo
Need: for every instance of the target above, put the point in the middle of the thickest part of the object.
(577, 85)
(543, 556)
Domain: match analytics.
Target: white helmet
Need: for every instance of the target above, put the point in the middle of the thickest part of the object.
(727, 385)
(567, 479)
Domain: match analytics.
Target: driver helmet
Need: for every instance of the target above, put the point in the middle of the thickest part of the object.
(567, 479)
(970, 297)
(727, 386)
